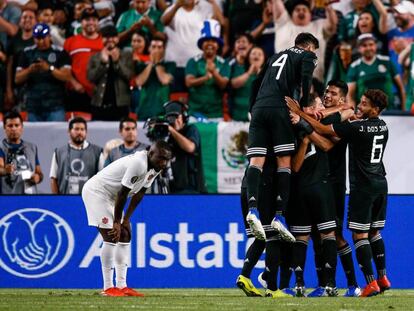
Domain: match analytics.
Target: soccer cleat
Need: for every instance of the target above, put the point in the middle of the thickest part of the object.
(289, 291)
(352, 291)
(113, 292)
(384, 284)
(262, 281)
(131, 292)
(371, 289)
(255, 225)
(300, 291)
(283, 231)
(246, 285)
(276, 294)
(331, 291)
(320, 291)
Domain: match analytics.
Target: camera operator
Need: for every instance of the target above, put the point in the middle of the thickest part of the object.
(187, 172)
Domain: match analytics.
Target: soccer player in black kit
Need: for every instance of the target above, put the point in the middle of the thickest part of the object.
(288, 73)
(367, 138)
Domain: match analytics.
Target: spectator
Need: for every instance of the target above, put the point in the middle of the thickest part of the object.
(74, 163)
(20, 170)
(142, 17)
(80, 48)
(264, 32)
(406, 60)
(3, 59)
(402, 36)
(45, 69)
(45, 15)
(207, 74)
(241, 77)
(76, 25)
(9, 19)
(300, 20)
(139, 44)
(347, 26)
(341, 60)
(106, 12)
(187, 171)
(184, 21)
(109, 145)
(21, 40)
(373, 71)
(130, 144)
(154, 78)
(110, 70)
(25, 4)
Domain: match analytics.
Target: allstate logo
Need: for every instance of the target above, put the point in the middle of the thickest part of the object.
(34, 243)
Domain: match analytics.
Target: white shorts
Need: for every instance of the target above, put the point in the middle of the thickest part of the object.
(99, 207)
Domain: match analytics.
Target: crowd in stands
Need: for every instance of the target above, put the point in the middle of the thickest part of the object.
(105, 60)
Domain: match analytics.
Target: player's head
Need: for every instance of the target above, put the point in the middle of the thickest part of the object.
(335, 93)
(159, 155)
(314, 104)
(77, 130)
(372, 103)
(307, 41)
(13, 126)
(128, 130)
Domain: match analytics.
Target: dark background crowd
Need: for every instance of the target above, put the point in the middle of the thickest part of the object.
(105, 60)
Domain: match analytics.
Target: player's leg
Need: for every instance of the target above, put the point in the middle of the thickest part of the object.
(253, 253)
(319, 291)
(285, 265)
(359, 222)
(343, 248)
(256, 153)
(377, 242)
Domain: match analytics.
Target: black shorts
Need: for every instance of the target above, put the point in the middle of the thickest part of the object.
(338, 191)
(366, 211)
(270, 127)
(312, 205)
(267, 209)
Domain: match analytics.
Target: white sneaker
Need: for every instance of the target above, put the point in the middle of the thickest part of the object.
(255, 225)
(284, 233)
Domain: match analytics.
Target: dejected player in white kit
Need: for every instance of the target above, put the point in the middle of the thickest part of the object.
(104, 196)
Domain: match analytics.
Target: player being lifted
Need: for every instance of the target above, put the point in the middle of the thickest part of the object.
(288, 73)
(367, 138)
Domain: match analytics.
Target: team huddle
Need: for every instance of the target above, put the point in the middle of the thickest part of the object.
(296, 179)
(293, 189)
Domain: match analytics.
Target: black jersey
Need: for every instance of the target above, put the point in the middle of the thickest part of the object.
(288, 73)
(315, 167)
(367, 141)
(337, 155)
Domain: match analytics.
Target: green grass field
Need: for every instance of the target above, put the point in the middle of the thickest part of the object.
(193, 299)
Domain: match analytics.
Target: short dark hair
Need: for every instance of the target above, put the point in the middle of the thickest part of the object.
(377, 98)
(159, 38)
(312, 99)
(11, 115)
(126, 119)
(340, 85)
(306, 38)
(247, 35)
(161, 144)
(77, 120)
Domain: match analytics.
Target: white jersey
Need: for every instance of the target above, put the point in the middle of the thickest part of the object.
(130, 171)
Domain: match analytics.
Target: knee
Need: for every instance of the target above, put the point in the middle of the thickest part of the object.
(359, 235)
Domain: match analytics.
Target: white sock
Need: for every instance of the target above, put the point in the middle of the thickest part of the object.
(107, 263)
(121, 264)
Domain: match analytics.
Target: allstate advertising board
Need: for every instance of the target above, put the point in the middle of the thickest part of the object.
(178, 241)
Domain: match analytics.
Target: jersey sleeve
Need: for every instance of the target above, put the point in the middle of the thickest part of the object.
(22, 62)
(64, 60)
(194, 135)
(136, 169)
(225, 70)
(351, 75)
(190, 68)
(346, 129)
(392, 69)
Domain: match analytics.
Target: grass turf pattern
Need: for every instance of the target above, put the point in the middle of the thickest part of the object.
(194, 299)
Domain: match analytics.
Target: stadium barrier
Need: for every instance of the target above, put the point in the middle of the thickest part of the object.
(178, 242)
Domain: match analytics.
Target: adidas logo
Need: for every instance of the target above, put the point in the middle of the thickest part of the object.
(252, 199)
(328, 266)
(279, 198)
(298, 269)
(247, 260)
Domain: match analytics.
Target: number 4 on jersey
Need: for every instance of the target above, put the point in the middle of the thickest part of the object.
(280, 62)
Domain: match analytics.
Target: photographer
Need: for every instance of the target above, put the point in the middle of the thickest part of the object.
(187, 172)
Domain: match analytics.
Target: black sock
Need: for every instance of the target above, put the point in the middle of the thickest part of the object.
(298, 260)
(329, 260)
(345, 255)
(253, 180)
(252, 257)
(285, 265)
(364, 257)
(283, 188)
(378, 253)
(317, 248)
(272, 263)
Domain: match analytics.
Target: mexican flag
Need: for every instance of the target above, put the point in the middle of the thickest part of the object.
(223, 151)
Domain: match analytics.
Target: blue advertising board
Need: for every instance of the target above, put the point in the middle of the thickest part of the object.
(178, 241)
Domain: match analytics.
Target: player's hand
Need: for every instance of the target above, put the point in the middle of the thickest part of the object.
(294, 118)
(115, 233)
(318, 114)
(126, 226)
(292, 104)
